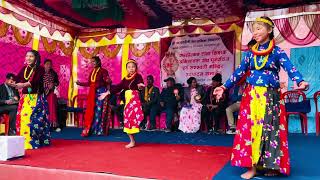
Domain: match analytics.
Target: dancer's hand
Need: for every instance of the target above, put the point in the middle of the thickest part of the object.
(141, 85)
(20, 85)
(218, 92)
(304, 86)
(102, 96)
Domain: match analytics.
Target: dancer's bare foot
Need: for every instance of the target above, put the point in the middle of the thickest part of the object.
(130, 145)
(249, 174)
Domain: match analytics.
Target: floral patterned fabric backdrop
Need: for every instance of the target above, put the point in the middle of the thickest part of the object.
(110, 58)
(14, 44)
(148, 59)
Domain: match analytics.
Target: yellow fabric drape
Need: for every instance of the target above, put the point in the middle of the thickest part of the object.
(258, 110)
(125, 55)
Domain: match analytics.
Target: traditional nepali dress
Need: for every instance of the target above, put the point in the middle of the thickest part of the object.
(32, 116)
(51, 77)
(190, 115)
(133, 114)
(96, 109)
(261, 136)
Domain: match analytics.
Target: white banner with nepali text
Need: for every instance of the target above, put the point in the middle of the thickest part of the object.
(200, 56)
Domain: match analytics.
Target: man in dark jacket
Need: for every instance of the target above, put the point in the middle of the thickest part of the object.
(170, 98)
(150, 103)
(213, 111)
(9, 98)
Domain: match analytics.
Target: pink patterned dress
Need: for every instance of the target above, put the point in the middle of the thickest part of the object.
(190, 115)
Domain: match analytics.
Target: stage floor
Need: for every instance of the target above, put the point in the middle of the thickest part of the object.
(158, 155)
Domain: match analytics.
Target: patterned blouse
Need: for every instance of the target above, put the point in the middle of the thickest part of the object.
(268, 76)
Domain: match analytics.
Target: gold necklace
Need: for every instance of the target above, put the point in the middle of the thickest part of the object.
(265, 60)
(94, 75)
(25, 73)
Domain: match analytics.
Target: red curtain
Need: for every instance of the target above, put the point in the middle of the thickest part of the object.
(288, 33)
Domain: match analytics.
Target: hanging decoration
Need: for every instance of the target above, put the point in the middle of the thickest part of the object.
(23, 40)
(139, 50)
(67, 50)
(88, 55)
(3, 28)
(156, 46)
(50, 47)
(111, 51)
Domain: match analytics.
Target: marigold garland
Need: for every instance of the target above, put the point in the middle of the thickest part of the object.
(111, 53)
(83, 51)
(49, 47)
(21, 40)
(139, 53)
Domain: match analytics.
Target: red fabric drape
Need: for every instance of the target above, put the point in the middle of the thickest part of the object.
(288, 33)
(313, 22)
(89, 114)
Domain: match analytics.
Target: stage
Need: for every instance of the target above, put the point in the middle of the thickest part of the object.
(158, 155)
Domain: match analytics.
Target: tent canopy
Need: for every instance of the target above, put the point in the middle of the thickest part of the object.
(141, 14)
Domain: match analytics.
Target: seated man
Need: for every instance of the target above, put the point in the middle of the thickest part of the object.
(169, 100)
(234, 107)
(212, 110)
(150, 103)
(9, 98)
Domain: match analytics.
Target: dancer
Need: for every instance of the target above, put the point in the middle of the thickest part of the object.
(32, 117)
(261, 136)
(98, 83)
(133, 114)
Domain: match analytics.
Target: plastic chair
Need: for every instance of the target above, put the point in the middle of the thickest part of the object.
(317, 116)
(295, 97)
(78, 111)
(4, 119)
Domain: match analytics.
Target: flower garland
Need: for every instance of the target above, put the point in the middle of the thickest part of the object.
(128, 77)
(265, 53)
(94, 75)
(25, 73)
(147, 93)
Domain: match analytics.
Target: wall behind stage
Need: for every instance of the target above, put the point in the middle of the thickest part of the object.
(12, 49)
(110, 59)
(14, 43)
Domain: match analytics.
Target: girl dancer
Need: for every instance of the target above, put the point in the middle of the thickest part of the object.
(133, 113)
(261, 136)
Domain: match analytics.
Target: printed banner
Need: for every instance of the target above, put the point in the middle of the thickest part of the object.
(200, 56)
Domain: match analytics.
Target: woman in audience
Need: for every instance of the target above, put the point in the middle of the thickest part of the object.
(32, 117)
(261, 136)
(133, 114)
(190, 115)
(95, 112)
(51, 81)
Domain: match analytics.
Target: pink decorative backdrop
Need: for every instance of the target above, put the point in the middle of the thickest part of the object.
(113, 65)
(12, 54)
(148, 64)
